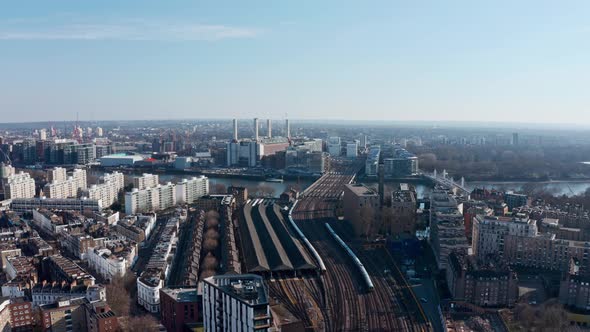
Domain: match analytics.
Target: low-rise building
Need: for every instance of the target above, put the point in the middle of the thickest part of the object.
(51, 292)
(21, 267)
(58, 268)
(100, 317)
(113, 259)
(489, 284)
(64, 315)
(22, 205)
(179, 308)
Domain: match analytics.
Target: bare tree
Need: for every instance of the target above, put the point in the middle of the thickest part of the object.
(118, 297)
(145, 323)
(219, 188)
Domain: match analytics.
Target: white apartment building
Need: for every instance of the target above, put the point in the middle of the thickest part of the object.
(19, 185)
(56, 174)
(162, 197)
(6, 171)
(235, 303)
(66, 188)
(152, 199)
(108, 189)
(189, 190)
(146, 181)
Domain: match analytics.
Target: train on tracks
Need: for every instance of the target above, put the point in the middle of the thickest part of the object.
(356, 261)
(311, 249)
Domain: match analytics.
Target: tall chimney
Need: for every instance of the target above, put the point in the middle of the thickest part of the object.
(235, 129)
(256, 129)
(269, 127)
(287, 129)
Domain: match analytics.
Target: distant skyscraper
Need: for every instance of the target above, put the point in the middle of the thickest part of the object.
(515, 139)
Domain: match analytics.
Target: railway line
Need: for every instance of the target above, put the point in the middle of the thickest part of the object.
(348, 303)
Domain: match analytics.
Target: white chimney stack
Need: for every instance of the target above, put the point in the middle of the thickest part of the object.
(287, 129)
(256, 129)
(235, 129)
(269, 127)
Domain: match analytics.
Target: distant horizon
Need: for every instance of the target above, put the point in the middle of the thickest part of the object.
(379, 123)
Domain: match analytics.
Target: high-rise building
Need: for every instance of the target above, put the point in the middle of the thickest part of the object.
(99, 132)
(19, 185)
(225, 296)
(56, 174)
(514, 139)
(189, 190)
(447, 228)
(334, 146)
(146, 181)
(160, 197)
(351, 150)
(372, 162)
(6, 171)
(108, 189)
(62, 186)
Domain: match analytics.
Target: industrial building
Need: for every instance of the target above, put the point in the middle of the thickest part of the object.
(267, 243)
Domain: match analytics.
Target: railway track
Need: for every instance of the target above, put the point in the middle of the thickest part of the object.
(346, 304)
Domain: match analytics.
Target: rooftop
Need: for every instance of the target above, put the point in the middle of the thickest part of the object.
(248, 288)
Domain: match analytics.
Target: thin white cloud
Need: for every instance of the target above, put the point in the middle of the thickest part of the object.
(130, 29)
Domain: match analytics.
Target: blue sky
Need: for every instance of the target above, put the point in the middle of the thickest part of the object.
(523, 61)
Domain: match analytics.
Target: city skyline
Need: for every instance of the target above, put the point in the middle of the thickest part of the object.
(387, 61)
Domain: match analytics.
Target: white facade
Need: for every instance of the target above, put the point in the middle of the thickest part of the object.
(108, 265)
(56, 174)
(162, 197)
(189, 190)
(65, 188)
(146, 181)
(108, 190)
(148, 293)
(157, 198)
(6, 171)
(19, 185)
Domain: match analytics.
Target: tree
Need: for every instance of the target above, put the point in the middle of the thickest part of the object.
(118, 297)
(219, 188)
(144, 323)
